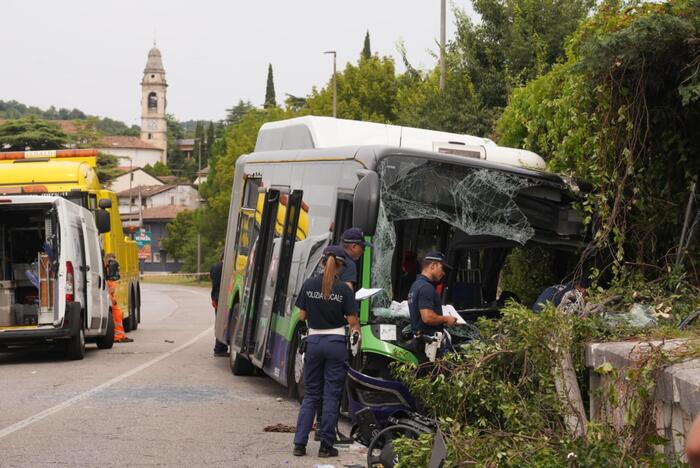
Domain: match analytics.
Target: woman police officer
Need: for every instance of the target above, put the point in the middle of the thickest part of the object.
(327, 304)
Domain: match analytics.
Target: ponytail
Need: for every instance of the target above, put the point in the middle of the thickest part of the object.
(329, 276)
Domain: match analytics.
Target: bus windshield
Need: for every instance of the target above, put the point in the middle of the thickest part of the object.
(466, 212)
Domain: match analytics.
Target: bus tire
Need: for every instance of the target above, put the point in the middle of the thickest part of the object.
(239, 364)
(295, 378)
(138, 302)
(75, 346)
(107, 341)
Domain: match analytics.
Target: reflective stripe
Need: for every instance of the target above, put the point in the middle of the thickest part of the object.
(327, 331)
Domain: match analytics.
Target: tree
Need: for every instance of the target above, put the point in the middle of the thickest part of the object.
(180, 242)
(211, 131)
(236, 113)
(270, 100)
(514, 42)
(620, 114)
(31, 133)
(87, 135)
(107, 168)
(366, 50)
(366, 91)
(158, 169)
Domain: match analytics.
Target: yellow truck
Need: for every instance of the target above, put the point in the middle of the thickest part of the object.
(71, 174)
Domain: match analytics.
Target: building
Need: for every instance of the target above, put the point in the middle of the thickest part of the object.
(154, 128)
(186, 146)
(134, 178)
(132, 151)
(202, 176)
(150, 208)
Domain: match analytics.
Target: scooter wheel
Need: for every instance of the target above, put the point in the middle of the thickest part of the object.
(380, 452)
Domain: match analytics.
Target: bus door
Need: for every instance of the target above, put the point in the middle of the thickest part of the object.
(258, 261)
(275, 294)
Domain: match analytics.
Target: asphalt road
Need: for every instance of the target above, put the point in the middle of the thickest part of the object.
(162, 400)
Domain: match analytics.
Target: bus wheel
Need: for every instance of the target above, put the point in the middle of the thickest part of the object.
(295, 379)
(239, 364)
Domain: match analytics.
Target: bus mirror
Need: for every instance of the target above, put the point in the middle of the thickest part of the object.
(365, 204)
(102, 221)
(105, 203)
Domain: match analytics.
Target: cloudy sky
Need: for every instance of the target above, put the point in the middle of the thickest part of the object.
(90, 54)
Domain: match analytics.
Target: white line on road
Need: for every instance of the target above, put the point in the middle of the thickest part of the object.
(71, 401)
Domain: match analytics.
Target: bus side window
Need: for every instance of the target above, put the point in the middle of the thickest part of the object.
(343, 218)
(247, 230)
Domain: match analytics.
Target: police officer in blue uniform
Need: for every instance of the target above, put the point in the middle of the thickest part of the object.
(424, 303)
(327, 304)
(353, 242)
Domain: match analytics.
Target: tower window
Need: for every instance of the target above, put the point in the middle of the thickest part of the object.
(149, 136)
(152, 100)
(153, 76)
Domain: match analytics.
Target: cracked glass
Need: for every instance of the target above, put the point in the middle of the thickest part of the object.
(473, 200)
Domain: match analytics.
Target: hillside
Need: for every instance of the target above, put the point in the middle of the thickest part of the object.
(14, 110)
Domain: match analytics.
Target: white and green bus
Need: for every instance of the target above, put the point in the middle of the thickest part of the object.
(411, 191)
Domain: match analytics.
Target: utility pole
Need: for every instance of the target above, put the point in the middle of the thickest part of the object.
(443, 12)
(199, 236)
(335, 89)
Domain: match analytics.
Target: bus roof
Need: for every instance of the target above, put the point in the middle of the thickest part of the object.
(313, 132)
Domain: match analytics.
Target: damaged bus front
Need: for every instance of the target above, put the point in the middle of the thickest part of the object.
(476, 213)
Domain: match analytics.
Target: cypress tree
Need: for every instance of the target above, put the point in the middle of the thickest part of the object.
(210, 140)
(270, 91)
(198, 144)
(366, 50)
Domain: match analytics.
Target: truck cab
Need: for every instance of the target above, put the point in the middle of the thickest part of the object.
(52, 282)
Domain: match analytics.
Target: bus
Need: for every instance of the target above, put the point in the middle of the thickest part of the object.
(71, 174)
(411, 191)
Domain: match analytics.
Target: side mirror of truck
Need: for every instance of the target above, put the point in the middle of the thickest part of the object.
(365, 204)
(105, 203)
(102, 221)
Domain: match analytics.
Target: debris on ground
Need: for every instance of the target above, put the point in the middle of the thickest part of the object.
(280, 428)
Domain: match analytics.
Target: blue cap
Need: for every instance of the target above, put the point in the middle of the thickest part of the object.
(335, 251)
(436, 256)
(354, 236)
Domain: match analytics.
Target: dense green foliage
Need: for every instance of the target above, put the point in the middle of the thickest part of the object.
(16, 110)
(31, 133)
(622, 113)
(158, 169)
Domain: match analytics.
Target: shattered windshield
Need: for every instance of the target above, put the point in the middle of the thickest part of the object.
(475, 201)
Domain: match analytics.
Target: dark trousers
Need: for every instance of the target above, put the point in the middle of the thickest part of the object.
(219, 347)
(325, 370)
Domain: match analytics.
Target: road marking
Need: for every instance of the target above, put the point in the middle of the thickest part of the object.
(71, 401)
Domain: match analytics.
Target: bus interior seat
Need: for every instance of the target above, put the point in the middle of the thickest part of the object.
(409, 271)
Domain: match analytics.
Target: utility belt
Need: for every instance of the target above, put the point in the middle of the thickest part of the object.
(352, 339)
(429, 344)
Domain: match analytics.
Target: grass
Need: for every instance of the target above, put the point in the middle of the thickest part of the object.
(183, 280)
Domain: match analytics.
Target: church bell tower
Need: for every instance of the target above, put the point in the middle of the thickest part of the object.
(154, 102)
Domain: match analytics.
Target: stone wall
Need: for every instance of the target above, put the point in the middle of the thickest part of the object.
(677, 395)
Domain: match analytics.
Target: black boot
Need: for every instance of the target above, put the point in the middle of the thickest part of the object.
(299, 450)
(327, 451)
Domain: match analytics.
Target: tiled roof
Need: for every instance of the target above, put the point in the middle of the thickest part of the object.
(146, 190)
(125, 142)
(167, 212)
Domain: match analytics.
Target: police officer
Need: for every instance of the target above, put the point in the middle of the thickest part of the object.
(353, 242)
(327, 304)
(424, 304)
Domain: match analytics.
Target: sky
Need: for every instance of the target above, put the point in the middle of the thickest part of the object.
(90, 55)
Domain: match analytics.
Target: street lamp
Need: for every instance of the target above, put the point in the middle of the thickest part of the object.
(442, 45)
(334, 81)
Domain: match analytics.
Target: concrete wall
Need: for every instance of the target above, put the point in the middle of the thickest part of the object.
(180, 195)
(677, 396)
(121, 183)
(139, 157)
